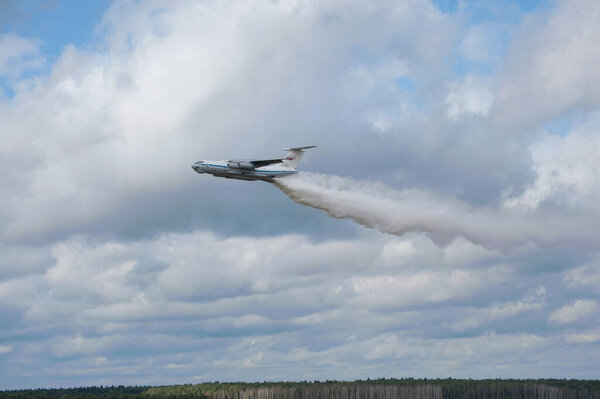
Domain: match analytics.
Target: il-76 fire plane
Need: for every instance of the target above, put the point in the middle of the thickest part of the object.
(254, 169)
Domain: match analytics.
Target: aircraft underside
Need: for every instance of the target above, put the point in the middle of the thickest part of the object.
(246, 175)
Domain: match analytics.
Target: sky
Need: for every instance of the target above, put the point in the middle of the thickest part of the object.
(447, 225)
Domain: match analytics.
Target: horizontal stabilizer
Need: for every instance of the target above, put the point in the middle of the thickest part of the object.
(299, 148)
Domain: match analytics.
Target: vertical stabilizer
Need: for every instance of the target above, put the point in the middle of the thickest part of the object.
(294, 155)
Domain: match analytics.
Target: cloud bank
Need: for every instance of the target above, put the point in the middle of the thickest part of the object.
(120, 265)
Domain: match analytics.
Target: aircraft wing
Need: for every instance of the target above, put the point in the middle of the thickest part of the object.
(264, 162)
(251, 163)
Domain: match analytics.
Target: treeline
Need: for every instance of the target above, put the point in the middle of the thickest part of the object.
(406, 388)
(114, 392)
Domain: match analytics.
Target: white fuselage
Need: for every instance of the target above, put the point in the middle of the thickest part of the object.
(236, 170)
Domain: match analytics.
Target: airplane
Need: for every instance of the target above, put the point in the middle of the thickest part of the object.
(254, 169)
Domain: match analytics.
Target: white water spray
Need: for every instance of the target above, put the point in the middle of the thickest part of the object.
(397, 212)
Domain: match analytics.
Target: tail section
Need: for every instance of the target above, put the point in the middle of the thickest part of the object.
(294, 155)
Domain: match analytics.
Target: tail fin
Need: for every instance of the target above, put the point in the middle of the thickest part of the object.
(294, 154)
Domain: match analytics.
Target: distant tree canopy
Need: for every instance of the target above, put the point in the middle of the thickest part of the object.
(80, 393)
(405, 388)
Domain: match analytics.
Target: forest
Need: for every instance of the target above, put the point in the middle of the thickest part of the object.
(405, 388)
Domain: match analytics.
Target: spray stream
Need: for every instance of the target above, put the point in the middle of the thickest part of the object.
(397, 212)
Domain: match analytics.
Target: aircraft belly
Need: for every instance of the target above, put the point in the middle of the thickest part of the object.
(241, 174)
(242, 177)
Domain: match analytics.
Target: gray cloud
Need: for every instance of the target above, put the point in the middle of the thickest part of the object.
(222, 97)
(18, 56)
(120, 264)
(547, 67)
(244, 306)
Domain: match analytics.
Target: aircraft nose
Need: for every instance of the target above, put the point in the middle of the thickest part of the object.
(198, 167)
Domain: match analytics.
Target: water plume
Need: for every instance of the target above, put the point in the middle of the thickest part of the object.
(442, 218)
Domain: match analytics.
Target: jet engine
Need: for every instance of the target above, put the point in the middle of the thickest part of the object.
(240, 165)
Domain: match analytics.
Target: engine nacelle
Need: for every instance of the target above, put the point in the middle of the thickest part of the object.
(240, 165)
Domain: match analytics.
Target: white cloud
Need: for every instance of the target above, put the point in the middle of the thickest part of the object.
(498, 311)
(469, 98)
(80, 345)
(18, 54)
(571, 313)
(223, 279)
(170, 81)
(481, 43)
(459, 357)
(568, 170)
(109, 262)
(584, 276)
(406, 290)
(585, 338)
(489, 344)
(5, 348)
(549, 64)
(266, 299)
